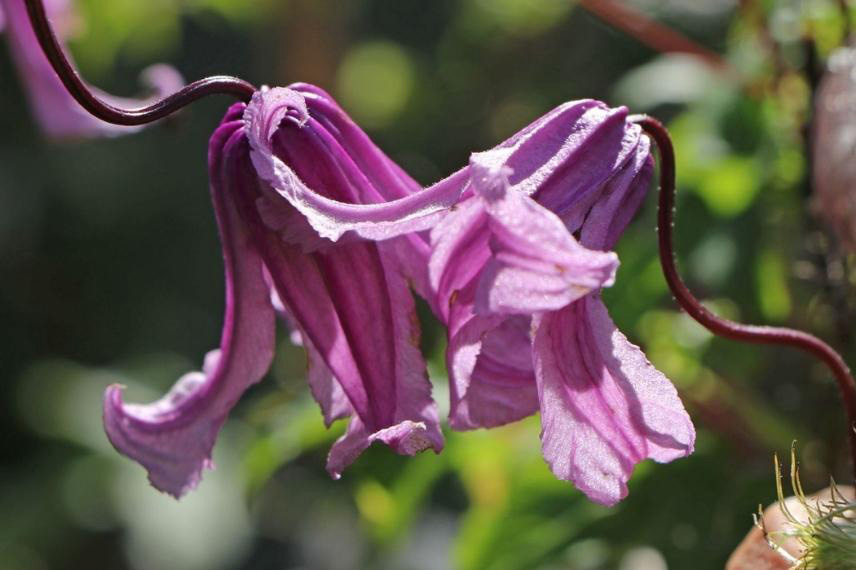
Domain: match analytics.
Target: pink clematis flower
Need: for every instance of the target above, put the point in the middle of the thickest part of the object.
(59, 115)
(311, 216)
(519, 295)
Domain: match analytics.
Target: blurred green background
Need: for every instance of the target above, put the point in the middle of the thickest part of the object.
(110, 271)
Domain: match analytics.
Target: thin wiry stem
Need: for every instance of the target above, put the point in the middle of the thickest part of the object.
(220, 84)
(718, 325)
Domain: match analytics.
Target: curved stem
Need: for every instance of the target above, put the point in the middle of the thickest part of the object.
(221, 84)
(724, 327)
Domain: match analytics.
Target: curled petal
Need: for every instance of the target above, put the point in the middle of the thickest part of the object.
(604, 407)
(325, 388)
(563, 158)
(387, 181)
(59, 115)
(406, 438)
(173, 437)
(346, 200)
(536, 264)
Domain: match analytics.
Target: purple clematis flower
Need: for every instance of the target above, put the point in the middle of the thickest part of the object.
(519, 295)
(320, 227)
(312, 217)
(59, 115)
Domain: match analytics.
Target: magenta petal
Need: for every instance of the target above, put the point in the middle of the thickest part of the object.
(59, 115)
(406, 438)
(604, 407)
(536, 264)
(357, 312)
(619, 200)
(489, 356)
(173, 437)
(331, 216)
(387, 181)
(563, 158)
(325, 388)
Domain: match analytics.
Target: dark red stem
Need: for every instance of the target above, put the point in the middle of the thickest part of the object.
(724, 327)
(220, 84)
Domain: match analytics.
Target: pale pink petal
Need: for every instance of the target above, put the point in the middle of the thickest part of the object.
(604, 407)
(491, 376)
(536, 264)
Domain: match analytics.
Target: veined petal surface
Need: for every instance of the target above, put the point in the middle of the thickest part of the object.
(604, 407)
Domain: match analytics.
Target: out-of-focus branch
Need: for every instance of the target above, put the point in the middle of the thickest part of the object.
(652, 33)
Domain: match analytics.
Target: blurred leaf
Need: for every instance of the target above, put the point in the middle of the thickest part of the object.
(513, 17)
(668, 78)
(773, 295)
(730, 185)
(390, 512)
(375, 81)
(142, 30)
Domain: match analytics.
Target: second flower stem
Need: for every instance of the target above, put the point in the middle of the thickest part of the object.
(718, 325)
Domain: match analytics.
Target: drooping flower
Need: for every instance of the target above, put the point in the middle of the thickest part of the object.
(58, 114)
(318, 225)
(519, 295)
(311, 216)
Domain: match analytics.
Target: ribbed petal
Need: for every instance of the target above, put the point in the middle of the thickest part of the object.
(415, 425)
(349, 299)
(604, 407)
(341, 199)
(325, 388)
(563, 158)
(357, 313)
(459, 252)
(173, 437)
(594, 148)
(59, 115)
(386, 180)
(620, 200)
